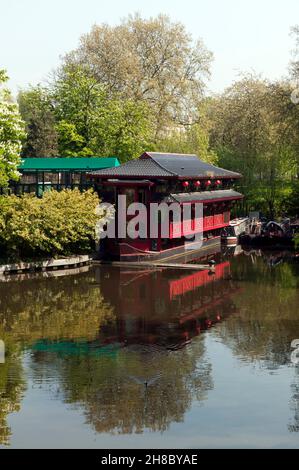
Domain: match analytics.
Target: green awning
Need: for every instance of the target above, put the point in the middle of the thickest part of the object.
(67, 164)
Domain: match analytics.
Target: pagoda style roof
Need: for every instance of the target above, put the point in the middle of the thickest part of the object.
(166, 165)
(204, 196)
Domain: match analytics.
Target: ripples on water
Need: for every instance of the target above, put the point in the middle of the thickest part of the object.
(109, 357)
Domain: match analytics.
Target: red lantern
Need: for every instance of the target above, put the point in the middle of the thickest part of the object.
(208, 183)
(218, 182)
(185, 184)
(197, 183)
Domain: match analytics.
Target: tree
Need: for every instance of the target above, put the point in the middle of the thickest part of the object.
(11, 135)
(70, 142)
(37, 110)
(153, 60)
(194, 138)
(92, 122)
(124, 129)
(78, 97)
(254, 132)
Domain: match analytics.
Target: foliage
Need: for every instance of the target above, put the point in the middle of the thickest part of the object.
(254, 133)
(125, 89)
(70, 142)
(60, 223)
(76, 116)
(90, 121)
(11, 135)
(37, 111)
(38, 311)
(194, 138)
(139, 86)
(125, 129)
(291, 203)
(154, 60)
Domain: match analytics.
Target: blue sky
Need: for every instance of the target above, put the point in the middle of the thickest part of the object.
(243, 35)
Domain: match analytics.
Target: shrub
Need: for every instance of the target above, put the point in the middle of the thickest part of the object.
(60, 223)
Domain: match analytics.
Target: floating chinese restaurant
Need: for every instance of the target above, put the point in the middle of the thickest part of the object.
(167, 178)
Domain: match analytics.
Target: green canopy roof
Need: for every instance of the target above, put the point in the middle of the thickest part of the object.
(68, 164)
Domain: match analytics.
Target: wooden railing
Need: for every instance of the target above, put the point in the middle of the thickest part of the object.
(210, 222)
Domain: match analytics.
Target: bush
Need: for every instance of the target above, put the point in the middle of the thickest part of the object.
(58, 224)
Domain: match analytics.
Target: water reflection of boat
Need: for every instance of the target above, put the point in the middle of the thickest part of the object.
(231, 250)
(166, 308)
(237, 227)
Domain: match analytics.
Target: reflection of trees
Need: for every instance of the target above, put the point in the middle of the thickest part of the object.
(76, 337)
(268, 317)
(12, 386)
(68, 308)
(142, 387)
(53, 308)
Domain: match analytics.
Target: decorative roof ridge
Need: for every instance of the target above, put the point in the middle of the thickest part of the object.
(152, 160)
(170, 153)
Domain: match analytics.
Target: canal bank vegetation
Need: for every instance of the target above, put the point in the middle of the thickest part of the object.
(58, 224)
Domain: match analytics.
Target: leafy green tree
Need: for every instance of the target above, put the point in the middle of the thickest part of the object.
(124, 129)
(37, 110)
(11, 135)
(70, 142)
(253, 132)
(92, 122)
(78, 97)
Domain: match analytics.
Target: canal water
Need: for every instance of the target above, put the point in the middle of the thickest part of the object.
(118, 358)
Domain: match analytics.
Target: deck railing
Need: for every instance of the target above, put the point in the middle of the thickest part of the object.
(210, 222)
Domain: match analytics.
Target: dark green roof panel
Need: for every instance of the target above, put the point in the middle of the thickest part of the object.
(68, 164)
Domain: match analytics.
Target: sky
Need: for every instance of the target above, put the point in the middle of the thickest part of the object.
(244, 35)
